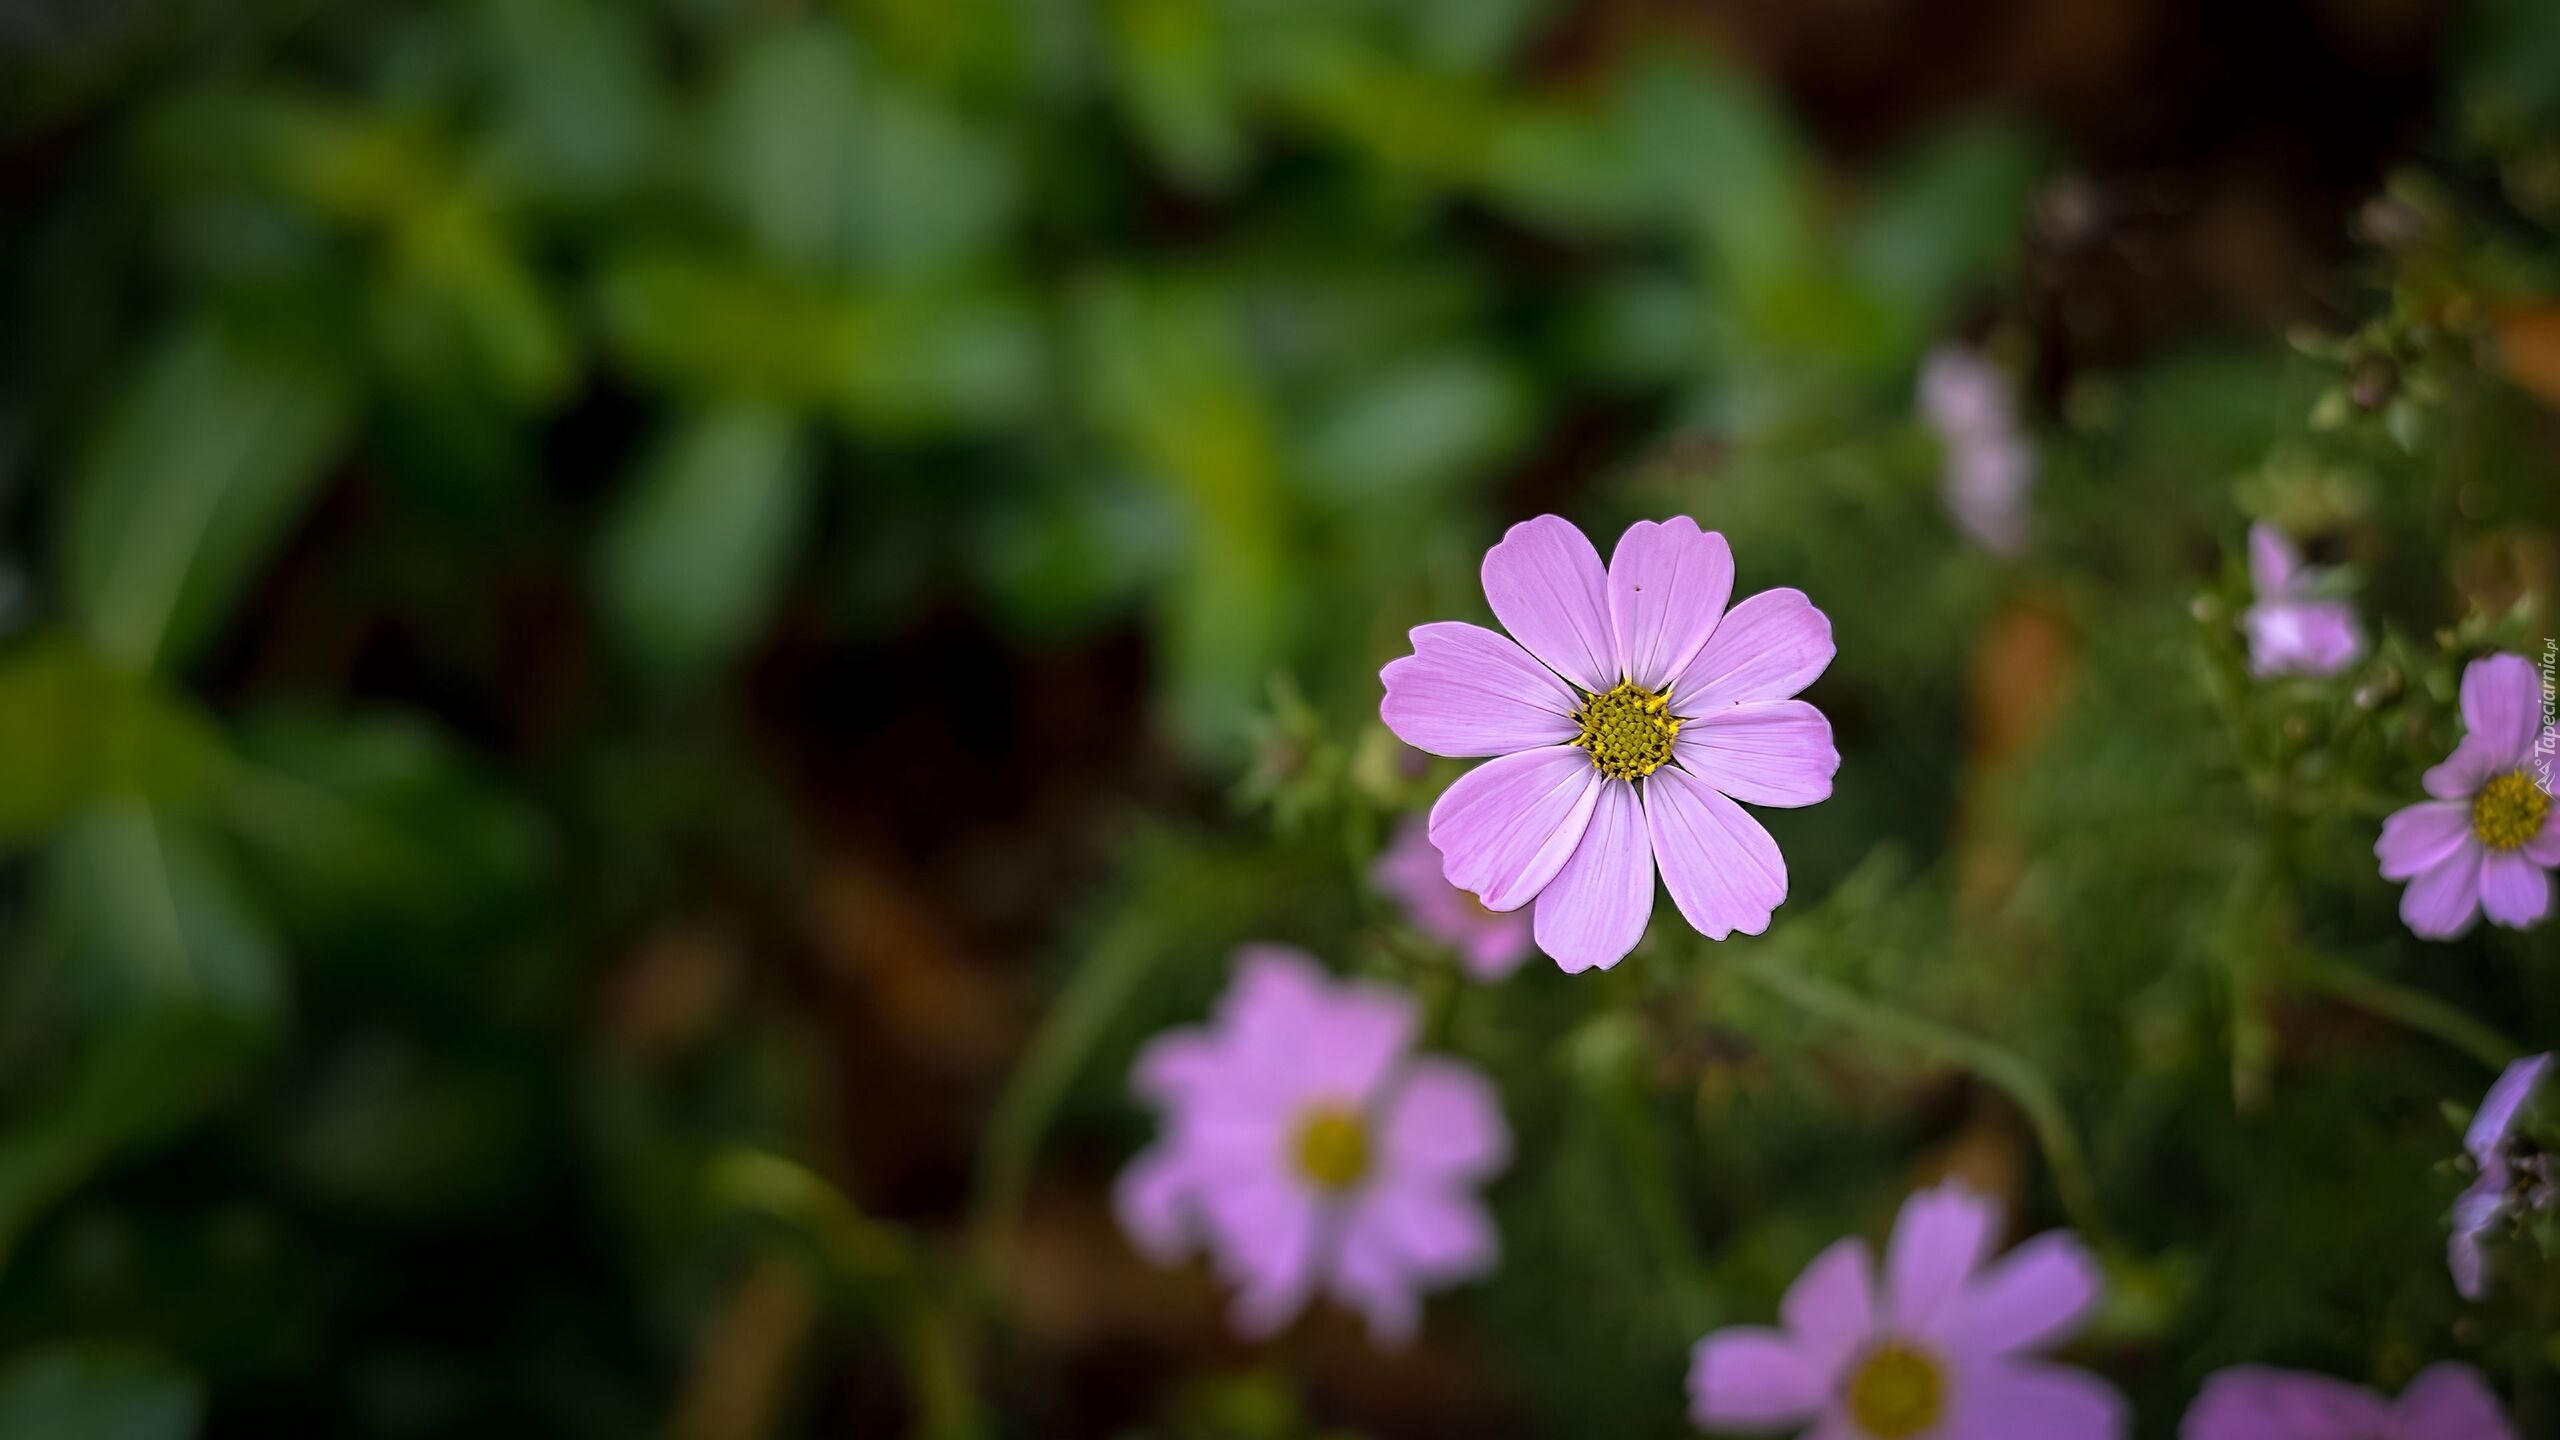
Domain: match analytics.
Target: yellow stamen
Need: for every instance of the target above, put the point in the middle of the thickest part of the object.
(1628, 730)
(2509, 811)
(1333, 1147)
(1898, 1392)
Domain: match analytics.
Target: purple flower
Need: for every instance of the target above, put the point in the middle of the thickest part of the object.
(1944, 1352)
(2490, 838)
(1638, 712)
(1305, 1149)
(2290, 633)
(2254, 1402)
(1491, 944)
(1990, 466)
(2514, 1175)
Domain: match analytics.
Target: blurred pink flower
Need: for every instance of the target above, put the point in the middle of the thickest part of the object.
(1489, 943)
(1305, 1149)
(1990, 467)
(2490, 837)
(2253, 1402)
(2513, 1175)
(1943, 1351)
(2291, 633)
(1631, 714)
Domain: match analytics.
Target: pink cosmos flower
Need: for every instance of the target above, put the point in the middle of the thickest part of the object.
(1631, 714)
(2514, 1176)
(1305, 1149)
(2489, 839)
(1944, 1351)
(2253, 1402)
(2290, 633)
(1990, 467)
(1491, 944)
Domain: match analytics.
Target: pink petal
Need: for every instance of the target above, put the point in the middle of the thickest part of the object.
(1496, 946)
(1173, 1065)
(1507, 826)
(2030, 1299)
(1596, 908)
(2460, 775)
(1266, 1231)
(2422, 836)
(1441, 1234)
(2515, 891)
(1444, 1122)
(2450, 1401)
(2443, 901)
(1831, 1309)
(1668, 584)
(1152, 1199)
(2272, 561)
(2502, 705)
(1547, 588)
(1762, 752)
(1467, 691)
(2507, 1095)
(1767, 648)
(2544, 849)
(2259, 1402)
(1723, 871)
(1370, 1277)
(2010, 1399)
(1363, 1031)
(1939, 1240)
(1748, 1377)
(2474, 1211)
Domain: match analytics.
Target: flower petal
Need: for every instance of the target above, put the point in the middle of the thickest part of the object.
(2515, 891)
(1466, 691)
(2460, 775)
(1748, 1377)
(2449, 1401)
(1596, 908)
(1370, 1277)
(2474, 1211)
(2029, 1299)
(2260, 1402)
(1724, 872)
(1266, 1230)
(2443, 901)
(1939, 1240)
(1831, 1309)
(2502, 704)
(2420, 837)
(2544, 849)
(1441, 1234)
(1153, 1200)
(1668, 585)
(1444, 1122)
(2009, 1399)
(1761, 752)
(1507, 826)
(1766, 648)
(2272, 561)
(1364, 1030)
(2514, 1086)
(1548, 589)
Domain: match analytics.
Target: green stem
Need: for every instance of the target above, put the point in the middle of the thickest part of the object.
(2412, 1009)
(2000, 1067)
(1658, 1211)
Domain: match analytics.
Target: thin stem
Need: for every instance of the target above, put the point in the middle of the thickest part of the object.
(2413, 1010)
(2000, 1067)
(1658, 1211)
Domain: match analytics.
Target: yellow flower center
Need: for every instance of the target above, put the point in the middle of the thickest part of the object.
(1333, 1147)
(1898, 1392)
(2509, 811)
(1628, 730)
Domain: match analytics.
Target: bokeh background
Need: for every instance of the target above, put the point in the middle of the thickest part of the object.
(644, 639)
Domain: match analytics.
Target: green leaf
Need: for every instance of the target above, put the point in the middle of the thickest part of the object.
(73, 728)
(137, 1081)
(1945, 219)
(1731, 168)
(696, 550)
(87, 1392)
(1419, 424)
(142, 916)
(200, 470)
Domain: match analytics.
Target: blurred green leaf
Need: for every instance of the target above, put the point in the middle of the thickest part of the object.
(697, 548)
(136, 1080)
(200, 470)
(1419, 424)
(581, 112)
(1730, 168)
(73, 729)
(143, 916)
(1174, 77)
(1945, 217)
(97, 1393)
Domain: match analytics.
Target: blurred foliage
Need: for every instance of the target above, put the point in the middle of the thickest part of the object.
(433, 434)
